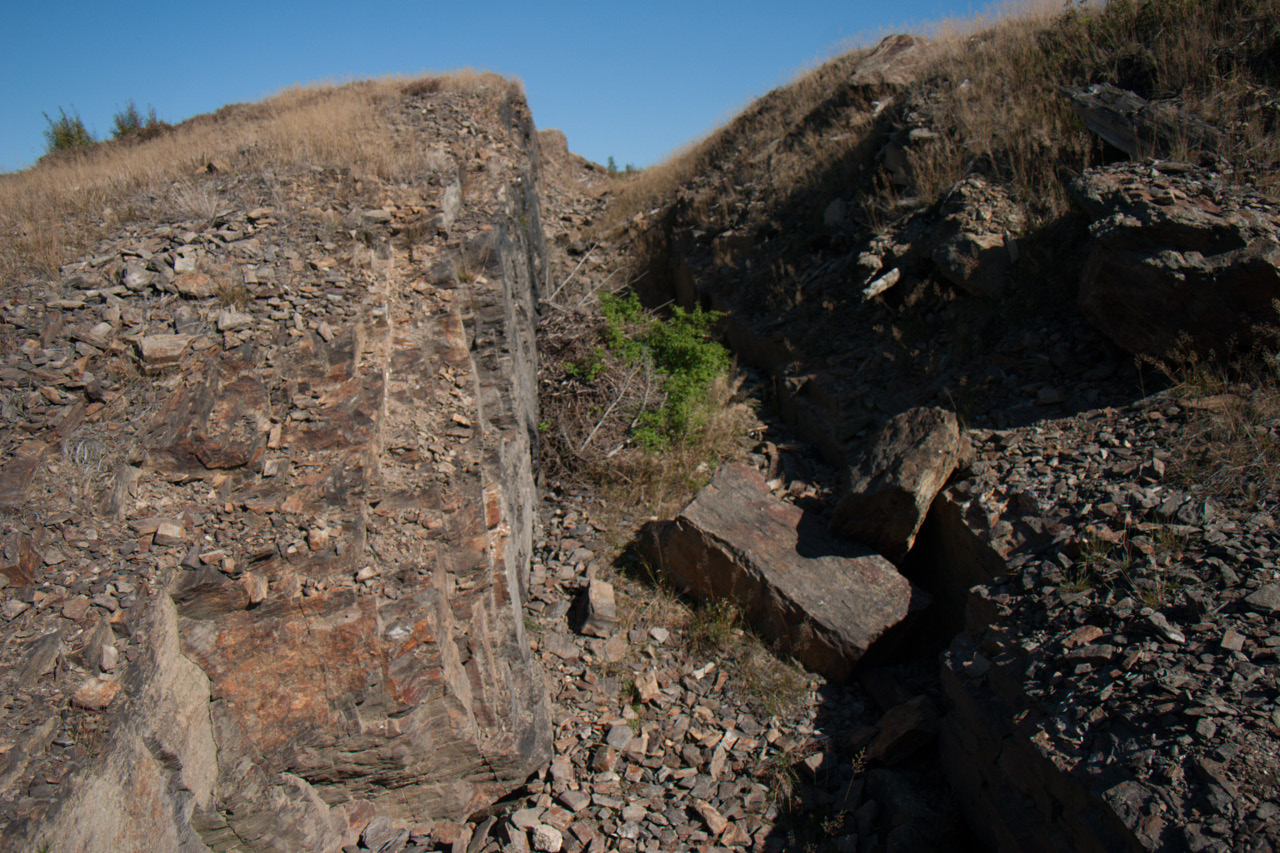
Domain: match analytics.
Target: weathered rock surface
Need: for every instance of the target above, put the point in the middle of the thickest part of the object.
(1178, 253)
(977, 239)
(1136, 126)
(276, 591)
(825, 600)
(896, 60)
(890, 489)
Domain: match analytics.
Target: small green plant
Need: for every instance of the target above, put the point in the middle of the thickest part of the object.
(130, 122)
(681, 349)
(712, 627)
(66, 132)
(589, 368)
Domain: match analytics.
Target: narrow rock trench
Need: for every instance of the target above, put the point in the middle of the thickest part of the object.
(730, 750)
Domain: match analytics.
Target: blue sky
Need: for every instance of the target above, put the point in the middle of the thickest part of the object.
(632, 81)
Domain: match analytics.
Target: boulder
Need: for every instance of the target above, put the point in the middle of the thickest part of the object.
(825, 600)
(1179, 258)
(888, 491)
(896, 61)
(976, 243)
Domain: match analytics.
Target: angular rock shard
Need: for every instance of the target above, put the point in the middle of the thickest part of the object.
(826, 600)
(889, 490)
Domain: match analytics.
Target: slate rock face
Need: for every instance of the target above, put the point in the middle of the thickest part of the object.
(316, 542)
(826, 600)
(1177, 253)
(890, 488)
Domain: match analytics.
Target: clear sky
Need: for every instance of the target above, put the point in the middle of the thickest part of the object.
(631, 80)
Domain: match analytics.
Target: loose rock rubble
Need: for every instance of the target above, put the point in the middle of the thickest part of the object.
(1133, 643)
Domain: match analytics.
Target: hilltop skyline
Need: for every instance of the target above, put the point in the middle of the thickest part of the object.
(631, 84)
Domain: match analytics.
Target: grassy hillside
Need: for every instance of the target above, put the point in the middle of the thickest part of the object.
(49, 212)
(991, 96)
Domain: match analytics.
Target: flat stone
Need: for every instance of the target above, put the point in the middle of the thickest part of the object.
(162, 350)
(230, 320)
(716, 822)
(647, 686)
(18, 472)
(825, 600)
(575, 801)
(619, 737)
(169, 533)
(96, 693)
(1265, 599)
(194, 285)
(41, 657)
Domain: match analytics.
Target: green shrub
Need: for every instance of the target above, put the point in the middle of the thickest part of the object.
(680, 349)
(66, 132)
(130, 122)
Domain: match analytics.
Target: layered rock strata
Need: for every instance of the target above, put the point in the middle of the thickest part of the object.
(289, 599)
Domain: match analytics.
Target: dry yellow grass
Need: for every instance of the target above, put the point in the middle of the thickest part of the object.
(46, 210)
(992, 93)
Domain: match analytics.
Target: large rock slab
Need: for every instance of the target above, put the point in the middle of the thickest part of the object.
(826, 600)
(1136, 126)
(888, 491)
(1179, 257)
(897, 60)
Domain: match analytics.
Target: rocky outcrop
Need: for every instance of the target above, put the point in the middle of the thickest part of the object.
(1179, 257)
(825, 601)
(977, 238)
(895, 61)
(291, 601)
(889, 490)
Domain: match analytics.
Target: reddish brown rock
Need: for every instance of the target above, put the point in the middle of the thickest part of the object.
(96, 693)
(194, 285)
(18, 472)
(825, 599)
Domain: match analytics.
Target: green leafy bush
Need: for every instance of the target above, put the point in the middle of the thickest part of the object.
(66, 132)
(130, 122)
(680, 349)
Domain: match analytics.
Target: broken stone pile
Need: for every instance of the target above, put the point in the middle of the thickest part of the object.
(661, 745)
(1129, 659)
